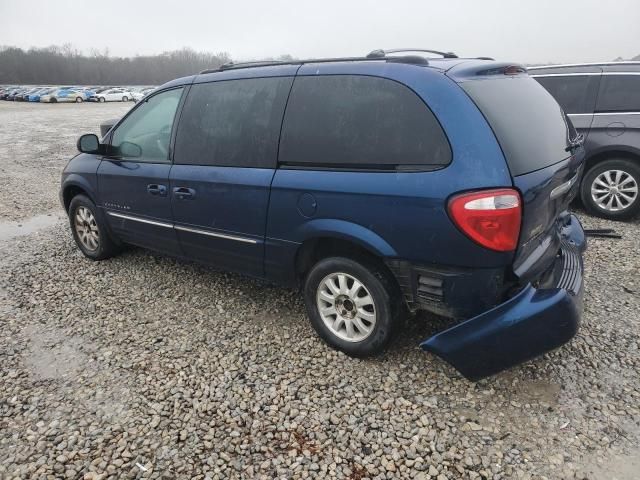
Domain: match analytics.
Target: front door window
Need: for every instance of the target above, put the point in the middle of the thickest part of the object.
(145, 134)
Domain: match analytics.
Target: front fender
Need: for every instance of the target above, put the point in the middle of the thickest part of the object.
(81, 172)
(75, 180)
(343, 230)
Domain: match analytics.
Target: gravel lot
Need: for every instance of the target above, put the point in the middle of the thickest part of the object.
(147, 367)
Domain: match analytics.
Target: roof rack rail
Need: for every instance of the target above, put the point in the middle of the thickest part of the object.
(380, 53)
(258, 63)
(268, 63)
(374, 55)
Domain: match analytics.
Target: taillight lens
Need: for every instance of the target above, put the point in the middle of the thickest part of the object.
(489, 217)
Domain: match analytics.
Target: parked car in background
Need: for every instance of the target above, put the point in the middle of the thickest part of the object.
(29, 93)
(114, 95)
(244, 169)
(137, 95)
(24, 94)
(17, 97)
(603, 102)
(97, 90)
(65, 94)
(15, 93)
(35, 96)
(88, 93)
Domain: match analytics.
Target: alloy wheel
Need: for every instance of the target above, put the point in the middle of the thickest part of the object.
(614, 190)
(87, 229)
(346, 307)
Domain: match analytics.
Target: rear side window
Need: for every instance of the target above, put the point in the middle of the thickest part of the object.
(619, 93)
(358, 121)
(528, 122)
(575, 93)
(232, 123)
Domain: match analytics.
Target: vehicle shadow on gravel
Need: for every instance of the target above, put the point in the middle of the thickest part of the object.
(290, 311)
(263, 304)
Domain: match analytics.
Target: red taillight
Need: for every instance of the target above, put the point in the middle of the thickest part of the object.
(490, 217)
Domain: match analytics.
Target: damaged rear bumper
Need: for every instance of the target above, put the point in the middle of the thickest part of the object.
(534, 321)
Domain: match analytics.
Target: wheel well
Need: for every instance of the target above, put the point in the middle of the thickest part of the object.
(608, 155)
(70, 192)
(314, 250)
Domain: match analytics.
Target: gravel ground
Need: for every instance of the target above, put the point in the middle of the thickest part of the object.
(147, 367)
(36, 141)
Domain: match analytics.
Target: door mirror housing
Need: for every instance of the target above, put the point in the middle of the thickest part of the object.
(89, 143)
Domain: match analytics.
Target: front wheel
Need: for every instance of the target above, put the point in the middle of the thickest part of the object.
(78, 99)
(101, 99)
(611, 189)
(353, 306)
(89, 230)
(125, 99)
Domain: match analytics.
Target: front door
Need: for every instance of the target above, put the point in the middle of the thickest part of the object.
(133, 183)
(225, 157)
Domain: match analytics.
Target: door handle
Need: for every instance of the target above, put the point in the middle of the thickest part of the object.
(156, 189)
(184, 193)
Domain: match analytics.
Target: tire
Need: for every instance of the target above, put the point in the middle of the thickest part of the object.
(385, 306)
(125, 99)
(625, 180)
(84, 217)
(79, 100)
(101, 99)
(53, 100)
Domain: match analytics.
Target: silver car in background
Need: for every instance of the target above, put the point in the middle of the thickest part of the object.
(603, 102)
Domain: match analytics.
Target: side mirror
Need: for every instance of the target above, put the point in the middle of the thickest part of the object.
(129, 150)
(89, 143)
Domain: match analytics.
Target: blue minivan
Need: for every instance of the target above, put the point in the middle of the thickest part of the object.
(379, 185)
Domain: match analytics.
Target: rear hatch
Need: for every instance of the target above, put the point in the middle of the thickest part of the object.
(544, 157)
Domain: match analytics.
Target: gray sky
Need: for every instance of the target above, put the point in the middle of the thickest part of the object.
(529, 31)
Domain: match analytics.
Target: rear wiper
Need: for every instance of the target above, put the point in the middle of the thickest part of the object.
(575, 143)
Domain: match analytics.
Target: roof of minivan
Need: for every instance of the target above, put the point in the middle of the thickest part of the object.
(458, 69)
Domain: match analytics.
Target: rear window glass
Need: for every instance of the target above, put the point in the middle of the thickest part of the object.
(351, 120)
(619, 93)
(527, 121)
(575, 93)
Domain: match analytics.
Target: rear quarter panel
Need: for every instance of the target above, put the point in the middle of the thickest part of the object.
(614, 133)
(406, 211)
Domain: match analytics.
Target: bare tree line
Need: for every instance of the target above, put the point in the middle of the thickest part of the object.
(66, 65)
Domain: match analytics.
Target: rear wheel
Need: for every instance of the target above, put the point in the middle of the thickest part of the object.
(101, 99)
(89, 230)
(78, 99)
(611, 189)
(352, 305)
(125, 99)
(53, 100)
